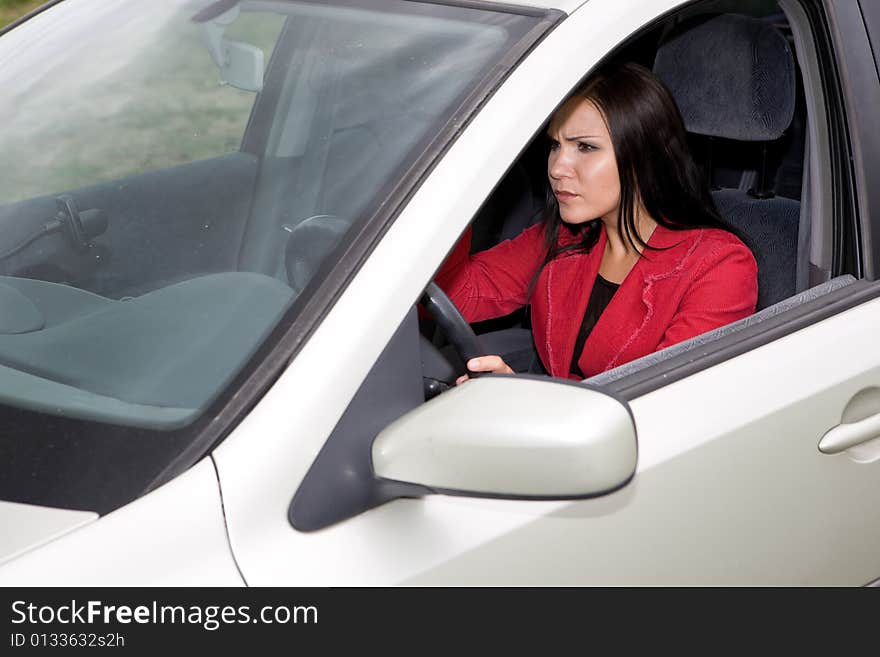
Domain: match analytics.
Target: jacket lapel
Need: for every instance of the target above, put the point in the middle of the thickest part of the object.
(630, 311)
(569, 281)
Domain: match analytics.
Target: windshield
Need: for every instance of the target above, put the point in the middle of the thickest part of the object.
(175, 178)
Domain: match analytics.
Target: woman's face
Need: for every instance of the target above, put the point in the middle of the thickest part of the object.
(581, 166)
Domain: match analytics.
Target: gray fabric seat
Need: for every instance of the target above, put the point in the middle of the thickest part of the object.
(173, 347)
(516, 204)
(772, 226)
(733, 78)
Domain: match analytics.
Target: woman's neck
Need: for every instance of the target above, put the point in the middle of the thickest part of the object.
(617, 246)
(620, 256)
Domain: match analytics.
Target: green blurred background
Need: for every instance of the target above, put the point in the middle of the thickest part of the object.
(12, 9)
(86, 123)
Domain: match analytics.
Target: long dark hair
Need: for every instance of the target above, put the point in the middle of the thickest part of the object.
(654, 162)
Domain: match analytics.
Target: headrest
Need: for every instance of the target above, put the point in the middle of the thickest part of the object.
(732, 76)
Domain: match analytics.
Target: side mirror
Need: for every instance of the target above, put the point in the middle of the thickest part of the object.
(241, 64)
(512, 437)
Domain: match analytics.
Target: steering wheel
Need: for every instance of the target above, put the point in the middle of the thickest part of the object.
(309, 243)
(450, 320)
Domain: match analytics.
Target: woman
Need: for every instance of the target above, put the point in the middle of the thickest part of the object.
(633, 256)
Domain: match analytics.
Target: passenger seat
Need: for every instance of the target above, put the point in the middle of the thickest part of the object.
(734, 78)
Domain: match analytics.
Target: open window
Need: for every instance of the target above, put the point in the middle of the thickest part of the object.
(776, 177)
(763, 117)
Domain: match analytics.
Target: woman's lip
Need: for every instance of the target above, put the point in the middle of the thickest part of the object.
(565, 196)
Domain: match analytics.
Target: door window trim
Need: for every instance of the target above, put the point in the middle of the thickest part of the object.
(756, 335)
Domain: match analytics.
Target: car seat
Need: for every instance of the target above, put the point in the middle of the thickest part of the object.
(734, 78)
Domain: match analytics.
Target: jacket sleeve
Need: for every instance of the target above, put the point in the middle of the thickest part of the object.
(724, 290)
(494, 282)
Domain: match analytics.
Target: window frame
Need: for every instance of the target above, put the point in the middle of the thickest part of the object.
(856, 61)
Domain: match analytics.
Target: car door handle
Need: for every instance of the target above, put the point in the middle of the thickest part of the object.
(844, 436)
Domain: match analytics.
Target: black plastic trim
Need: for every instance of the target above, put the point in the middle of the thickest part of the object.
(526, 498)
(870, 19)
(859, 77)
(847, 247)
(486, 5)
(340, 483)
(733, 345)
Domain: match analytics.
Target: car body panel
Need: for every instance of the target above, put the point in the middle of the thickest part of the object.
(35, 525)
(154, 541)
(738, 494)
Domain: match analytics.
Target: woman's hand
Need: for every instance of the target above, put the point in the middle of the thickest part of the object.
(485, 364)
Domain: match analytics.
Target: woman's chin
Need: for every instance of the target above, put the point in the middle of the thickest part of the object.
(576, 220)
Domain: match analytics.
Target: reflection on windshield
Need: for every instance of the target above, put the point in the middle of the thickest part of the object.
(159, 218)
(124, 111)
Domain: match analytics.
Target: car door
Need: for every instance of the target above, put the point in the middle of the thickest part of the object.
(731, 486)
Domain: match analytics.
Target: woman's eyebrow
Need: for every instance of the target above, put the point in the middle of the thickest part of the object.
(575, 137)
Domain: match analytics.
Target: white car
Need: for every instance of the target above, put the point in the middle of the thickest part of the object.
(218, 219)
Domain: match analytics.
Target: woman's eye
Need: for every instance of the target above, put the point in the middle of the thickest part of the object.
(554, 145)
(585, 148)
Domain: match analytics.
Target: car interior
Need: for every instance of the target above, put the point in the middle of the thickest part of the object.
(747, 118)
(98, 301)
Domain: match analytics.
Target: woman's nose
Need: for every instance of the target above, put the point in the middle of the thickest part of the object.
(558, 165)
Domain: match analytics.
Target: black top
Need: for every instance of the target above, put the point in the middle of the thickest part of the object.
(600, 297)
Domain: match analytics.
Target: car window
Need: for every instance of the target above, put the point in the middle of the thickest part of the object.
(146, 254)
(140, 94)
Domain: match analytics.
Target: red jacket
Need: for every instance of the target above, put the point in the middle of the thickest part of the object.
(708, 278)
